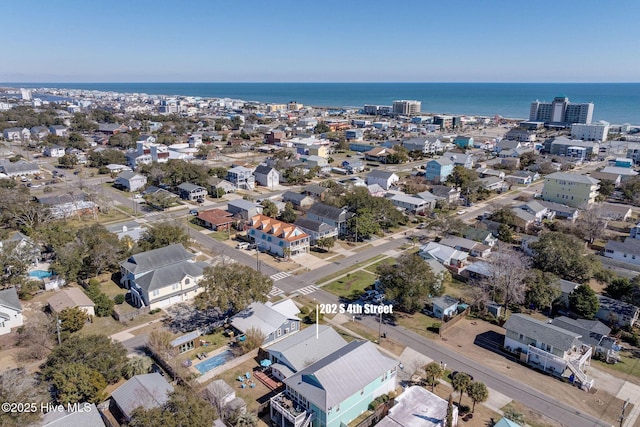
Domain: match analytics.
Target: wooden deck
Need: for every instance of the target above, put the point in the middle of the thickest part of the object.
(267, 380)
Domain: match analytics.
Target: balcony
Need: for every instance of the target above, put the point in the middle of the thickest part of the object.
(292, 414)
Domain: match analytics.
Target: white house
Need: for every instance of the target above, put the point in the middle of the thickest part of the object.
(626, 251)
(384, 179)
(131, 181)
(278, 237)
(10, 310)
(71, 298)
(444, 254)
(267, 176)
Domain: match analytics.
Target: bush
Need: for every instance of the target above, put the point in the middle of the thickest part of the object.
(154, 311)
(119, 299)
(378, 401)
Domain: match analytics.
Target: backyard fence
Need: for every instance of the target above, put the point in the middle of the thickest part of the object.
(446, 325)
(122, 316)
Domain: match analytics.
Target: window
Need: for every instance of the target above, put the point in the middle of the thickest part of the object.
(155, 292)
(279, 332)
(293, 326)
(187, 281)
(175, 286)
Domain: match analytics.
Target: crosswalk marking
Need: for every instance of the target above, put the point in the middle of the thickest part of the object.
(307, 290)
(279, 276)
(275, 292)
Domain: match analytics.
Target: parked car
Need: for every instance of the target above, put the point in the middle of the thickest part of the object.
(193, 212)
(242, 245)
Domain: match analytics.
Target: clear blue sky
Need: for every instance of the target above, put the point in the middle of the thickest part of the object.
(319, 41)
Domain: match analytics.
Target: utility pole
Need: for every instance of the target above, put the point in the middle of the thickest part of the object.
(380, 328)
(58, 322)
(257, 257)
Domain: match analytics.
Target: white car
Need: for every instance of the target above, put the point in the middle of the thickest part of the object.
(462, 212)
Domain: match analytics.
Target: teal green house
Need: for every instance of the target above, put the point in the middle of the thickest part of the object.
(336, 389)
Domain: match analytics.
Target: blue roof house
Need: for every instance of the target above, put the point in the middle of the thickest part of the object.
(437, 170)
(464, 141)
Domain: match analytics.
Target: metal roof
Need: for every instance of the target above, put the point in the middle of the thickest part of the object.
(148, 391)
(542, 332)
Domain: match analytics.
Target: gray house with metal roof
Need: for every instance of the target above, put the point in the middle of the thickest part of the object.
(315, 229)
(191, 192)
(147, 391)
(162, 277)
(336, 389)
(303, 349)
(276, 322)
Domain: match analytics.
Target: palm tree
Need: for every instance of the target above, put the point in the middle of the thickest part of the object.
(478, 392)
(433, 372)
(460, 382)
(247, 419)
(137, 366)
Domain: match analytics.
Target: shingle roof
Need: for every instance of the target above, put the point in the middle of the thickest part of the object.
(68, 298)
(309, 224)
(82, 418)
(303, 349)
(341, 374)
(216, 216)
(163, 276)
(148, 391)
(379, 173)
(263, 170)
(616, 306)
(156, 258)
(572, 177)
(187, 186)
(629, 246)
(591, 330)
(9, 298)
(326, 211)
(542, 332)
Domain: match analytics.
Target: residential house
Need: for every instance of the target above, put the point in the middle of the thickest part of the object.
(460, 159)
(81, 156)
(625, 173)
(336, 389)
(522, 219)
(59, 130)
(483, 236)
(54, 151)
(71, 298)
(277, 237)
(614, 178)
(316, 191)
(410, 204)
(566, 288)
(71, 417)
(10, 310)
(508, 144)
(575, 148)
(114, 168)
(162, 277)
(479, 270)
(353, 134)
(384, 179)
(626, 251)
(132, 229)
(438, 170)
(417, 406)
(317, 161)
(16, 134)
(444, 307)
(424, 145)
(463, 141)
(473, 248)
(561, 211)
(296, 352)
(215, 219)
(316, 229)
(594, 333)
(518, 134)
(616, 212)
(244, 208)
(617, 313)
(446, 255)
(547, 346)
(275, 322)
(19, 168)
(155, 195)
(130, 181)
(506, 422)
(431, 199)
(298, 200)
(450, 194)
(485, 172)
(353, 166)
(219, 390)
(111, 128)
(241, 177)
(539, 211)
(376, 191)
(492, 183)
(215, 183)
(147, 391)
(68, 205)
(379, 154)
(571, 189)
(335, 217)
(22, 247)
(191, 192)
(267, 176)
(39, 132)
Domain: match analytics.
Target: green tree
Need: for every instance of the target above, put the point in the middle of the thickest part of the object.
(542, 289)
(505, 216)
(247, 419)
(562, 255)
(477, 392)
(434, 372)
(269, 208)
(288, 214)
(248, 286)
(103, 304)
(606, 188)
(137, 365)
(321, 127)
(161, 235)
(72, 319)
(620, 288)
(68, 161)
(584, 302)
(93, 351)
(513, 415)
(326, 243)
(527, 159)
(75, 382)
(505, 234)
(363, 225)
(460, 382)
(466, 179)
(449, 419)
(409, 282)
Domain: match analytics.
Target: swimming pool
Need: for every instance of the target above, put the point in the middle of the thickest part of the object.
(40, 274)
(214, 361)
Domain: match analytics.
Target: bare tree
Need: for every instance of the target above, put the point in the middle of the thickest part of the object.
(591, 222)
(510, 270)
(36, 337)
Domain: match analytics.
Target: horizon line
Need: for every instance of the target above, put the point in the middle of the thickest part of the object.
(314, 82)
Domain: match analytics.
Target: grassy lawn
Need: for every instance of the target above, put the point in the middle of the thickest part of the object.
(351, 284)
(628, 365)
(220, 235)
(418, 323)
(347, 270)
(195, 225)
(361, 248)
(110, 287)
(366, 333)
(458, 289)
(320, 253)
(385, 261)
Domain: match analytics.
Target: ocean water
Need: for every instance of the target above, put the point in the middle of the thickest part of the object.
(614, 102)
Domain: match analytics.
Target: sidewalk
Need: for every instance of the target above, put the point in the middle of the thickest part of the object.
(126, 334)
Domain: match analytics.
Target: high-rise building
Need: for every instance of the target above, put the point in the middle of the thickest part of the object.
(25, 94)
(406, 108)
(561, 112)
